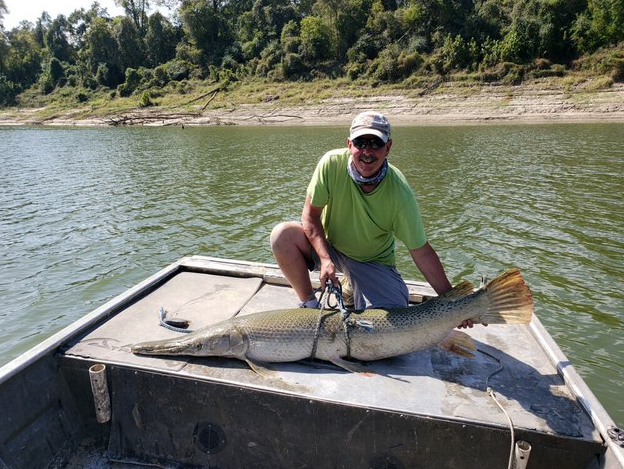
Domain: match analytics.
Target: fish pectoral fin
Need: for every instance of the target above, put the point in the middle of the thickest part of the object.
(350, 366)
(262, 368)
(459, 343)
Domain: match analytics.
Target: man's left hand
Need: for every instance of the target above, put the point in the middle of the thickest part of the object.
(468, 323)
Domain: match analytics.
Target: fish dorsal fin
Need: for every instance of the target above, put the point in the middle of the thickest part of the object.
(461, 290)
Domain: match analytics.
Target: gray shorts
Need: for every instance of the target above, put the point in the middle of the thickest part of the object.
(374, 285)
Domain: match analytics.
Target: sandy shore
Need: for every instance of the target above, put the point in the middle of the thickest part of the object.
(491, 104)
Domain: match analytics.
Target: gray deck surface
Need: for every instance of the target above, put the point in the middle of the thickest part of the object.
(433, 382)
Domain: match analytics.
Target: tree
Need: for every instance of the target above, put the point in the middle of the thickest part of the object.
(345, 18)
(329, 10)
(137, 11)
(601, 24)
(384, 40)
(160, 40)
(131, 47)
(438, 18)
(206, 27)
(101, 53)
(304, 7)
(383, 25)
(8, 91)
(130, 84)
(52, 76)
(290, 37)
(260, 27)
(3, 43)
(55, 40)
(3, 11)
(542, 28)
(270, 17)
(350, 21)
(80, 22)
(21, 63)
(315, 39)
(42, 24)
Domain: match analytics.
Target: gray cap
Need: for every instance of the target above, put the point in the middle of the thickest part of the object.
(370, 123)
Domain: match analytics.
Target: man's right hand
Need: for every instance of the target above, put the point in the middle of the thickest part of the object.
(328, 272)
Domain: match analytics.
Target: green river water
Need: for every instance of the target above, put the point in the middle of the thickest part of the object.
(86, 213)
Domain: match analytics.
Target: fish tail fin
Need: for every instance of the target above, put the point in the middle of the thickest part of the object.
(509, 300)
(459, 343)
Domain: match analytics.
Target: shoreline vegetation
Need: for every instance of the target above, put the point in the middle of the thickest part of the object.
(289, 62)
(334, 102)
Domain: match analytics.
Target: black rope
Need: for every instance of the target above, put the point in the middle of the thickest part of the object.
(336, 291)
(175, 325)
(317, 332)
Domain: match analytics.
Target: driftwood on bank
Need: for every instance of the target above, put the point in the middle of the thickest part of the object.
(167, 118)
(146, 117)
(272, 116)
(163, 118)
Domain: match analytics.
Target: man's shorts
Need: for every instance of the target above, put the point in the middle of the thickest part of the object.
(374, 285)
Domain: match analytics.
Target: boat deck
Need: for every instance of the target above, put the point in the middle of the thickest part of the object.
(425, 409)
(431, 382)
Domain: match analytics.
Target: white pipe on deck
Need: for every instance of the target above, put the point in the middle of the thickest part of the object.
(101, 397)
(521, 455)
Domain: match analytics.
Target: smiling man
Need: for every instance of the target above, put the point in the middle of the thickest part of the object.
(357, 205)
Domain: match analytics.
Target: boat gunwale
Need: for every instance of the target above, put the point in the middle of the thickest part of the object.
(579, 388)
(56, 340)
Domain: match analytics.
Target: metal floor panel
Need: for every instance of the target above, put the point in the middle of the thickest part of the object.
(431, 382)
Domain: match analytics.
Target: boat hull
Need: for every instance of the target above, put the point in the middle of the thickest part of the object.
(427, 409)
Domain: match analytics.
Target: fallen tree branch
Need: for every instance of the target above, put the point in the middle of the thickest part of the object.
(138, 119)
(432, 87)
(220, 87)
(271, 116)
(210, 100)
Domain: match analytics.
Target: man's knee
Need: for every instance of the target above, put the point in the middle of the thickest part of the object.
(286, 234)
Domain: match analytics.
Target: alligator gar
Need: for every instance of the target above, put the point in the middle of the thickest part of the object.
(288, 335)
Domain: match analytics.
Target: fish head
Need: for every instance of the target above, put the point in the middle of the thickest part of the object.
(212, 341)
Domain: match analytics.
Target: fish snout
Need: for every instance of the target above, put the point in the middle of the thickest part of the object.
(228, 343)
(168, 347)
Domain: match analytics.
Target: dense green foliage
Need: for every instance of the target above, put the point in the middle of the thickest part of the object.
(383, 41)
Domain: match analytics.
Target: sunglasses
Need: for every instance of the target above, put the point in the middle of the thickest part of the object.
(375, 143)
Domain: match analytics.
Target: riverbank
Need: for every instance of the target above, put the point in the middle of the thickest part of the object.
(451, 104)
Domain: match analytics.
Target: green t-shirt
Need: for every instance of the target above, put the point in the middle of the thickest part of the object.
(364, 226)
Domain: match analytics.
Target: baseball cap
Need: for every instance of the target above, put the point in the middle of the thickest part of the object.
(370, 123)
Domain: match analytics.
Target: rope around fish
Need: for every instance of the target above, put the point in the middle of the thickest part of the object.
(338, 306)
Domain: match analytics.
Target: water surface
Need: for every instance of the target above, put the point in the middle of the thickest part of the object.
(86, 213)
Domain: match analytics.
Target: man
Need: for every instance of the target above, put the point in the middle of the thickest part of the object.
(356, 206)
